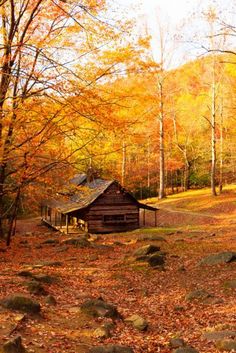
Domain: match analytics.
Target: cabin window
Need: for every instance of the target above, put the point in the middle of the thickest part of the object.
(114, 218)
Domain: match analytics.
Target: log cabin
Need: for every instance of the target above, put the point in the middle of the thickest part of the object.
(97, 206)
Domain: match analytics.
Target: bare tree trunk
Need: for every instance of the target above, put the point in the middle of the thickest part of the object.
(221, 148)
(148, 167)
(123, 166)
(213, 139)
(13, 217)
(161, 145)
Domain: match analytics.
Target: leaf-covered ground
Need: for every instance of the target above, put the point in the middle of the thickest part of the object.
(193, 225)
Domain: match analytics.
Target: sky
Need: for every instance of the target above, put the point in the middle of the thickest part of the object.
(176, 17)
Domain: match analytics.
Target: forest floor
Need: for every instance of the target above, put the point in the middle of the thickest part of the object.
(191, 226)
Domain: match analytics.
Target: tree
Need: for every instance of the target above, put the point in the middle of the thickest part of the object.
(36, 80)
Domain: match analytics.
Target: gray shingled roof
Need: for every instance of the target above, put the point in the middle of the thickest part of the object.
(78, 179)
(86, 196)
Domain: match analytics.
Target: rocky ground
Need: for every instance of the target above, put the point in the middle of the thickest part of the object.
(151, 290)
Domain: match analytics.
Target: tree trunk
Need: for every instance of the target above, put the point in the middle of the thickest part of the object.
(221, 149)
(161, 145)
(213, 141)
(123, 166)
(13, 217)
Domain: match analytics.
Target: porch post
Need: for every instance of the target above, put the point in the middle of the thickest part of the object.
(144, 220)
(60, 220)
(67, 224)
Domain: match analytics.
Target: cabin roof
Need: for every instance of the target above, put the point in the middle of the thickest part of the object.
(89, 192)
(78, 179)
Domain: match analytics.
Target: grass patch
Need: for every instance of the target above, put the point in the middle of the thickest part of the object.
(156, 230)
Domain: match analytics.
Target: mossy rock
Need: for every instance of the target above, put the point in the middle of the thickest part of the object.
(226, 345)
(99, 308)
(21, 303)
(46, 278)
(78, 242)
(198, 294)
(219, 258)
(230, 284)
(14, 346)
(34, 287)
(111, 349)
(50, 241)
(138, 322)
(156, 260)
(146, 250)
(186, 350)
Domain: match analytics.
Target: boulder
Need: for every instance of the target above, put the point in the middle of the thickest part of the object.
(14, 346)
(50, 241)
(21, 303)
(99, 308)
(156, 260)
(219, 258)
(78, 242)
(219, 335)
(146, 250)
(186, 349)
(226, 345)
(111, 349)
(177, 342)
(46, 278)
(49, 263)
(198, 294)
(138, 322)
(102, 332)
(25, 273)
(50, 300)
(230, 284)
(34, 287)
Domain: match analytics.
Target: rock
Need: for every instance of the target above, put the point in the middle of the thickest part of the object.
(50, 241)
(111, 349)
(21, 303)
(24, 241)
(46, 278)
(93, 257)
(219, 335)
(63, 248)
(186, 349)
(199, 294)
(178, 308)
(38, 246)
(99, 308)
(230, 284)
(49, 263)
(34, 287)
(102, 332)
(226, 345)
(78, 242)
(50, 300)
(177, 342)
(156, 260)
(146, 250)
(14, 346)
(94, 237)
(219, 258)
(25, 274)
(138, 322)
(118, 243)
